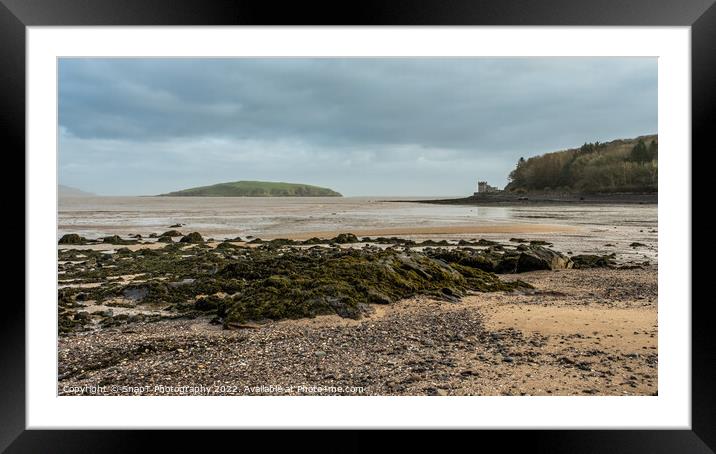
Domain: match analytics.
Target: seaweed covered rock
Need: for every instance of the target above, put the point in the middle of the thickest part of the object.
(256, 283)
(435, 243)
(279, 242)
(584, 261)
(116, 239)
(171, 233)
(345, 238)
(72, 238)
(484, 242)
(208, 303)
(540, 258)
(540, 243)
(226, 245)
(344, 282)
(193, 237)
(465, 257)
(165, 239)
(314, 240)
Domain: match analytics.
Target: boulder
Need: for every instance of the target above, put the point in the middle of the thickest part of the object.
(593, 261)
(116, 239)
(171, 233)
(345, 238)
(193, 237)
(72, 238)
(540, 258)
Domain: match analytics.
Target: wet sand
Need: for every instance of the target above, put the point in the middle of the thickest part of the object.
(444, 230)
(580, 332)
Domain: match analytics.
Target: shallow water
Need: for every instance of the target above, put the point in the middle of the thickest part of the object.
(228, 217)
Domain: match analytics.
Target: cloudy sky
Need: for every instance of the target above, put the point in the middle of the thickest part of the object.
(395, 127)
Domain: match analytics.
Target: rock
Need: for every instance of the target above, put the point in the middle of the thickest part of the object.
(135, 293)
(376, 297)
(171, 233)
(226, 245)
(540, 258)
(208, 303)
(441, 392)
(187, 281)
(72, 238)
(508, 359)
(165, 239)
(320, 354)
(636, 245)
(193, 237)
(507, 264)
(176, 226)
(540, 243)
(345, 238)
(116, 239)
(584, 261)
(83, 316)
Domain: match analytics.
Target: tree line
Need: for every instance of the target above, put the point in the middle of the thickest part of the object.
(617, 166)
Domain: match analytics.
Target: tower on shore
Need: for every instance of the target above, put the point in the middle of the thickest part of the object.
(483, 188)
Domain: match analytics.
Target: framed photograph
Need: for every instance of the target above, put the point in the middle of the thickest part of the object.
(416, 217)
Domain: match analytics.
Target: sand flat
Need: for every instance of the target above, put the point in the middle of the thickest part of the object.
(523, 228)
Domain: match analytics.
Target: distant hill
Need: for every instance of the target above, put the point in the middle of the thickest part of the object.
(624, 165)
(67, 191)
(256, 189)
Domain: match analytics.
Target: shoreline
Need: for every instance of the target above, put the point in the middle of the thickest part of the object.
(548, 199)
(465, 229)
(522, 228)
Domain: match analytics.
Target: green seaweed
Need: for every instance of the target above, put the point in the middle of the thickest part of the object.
(276, 280)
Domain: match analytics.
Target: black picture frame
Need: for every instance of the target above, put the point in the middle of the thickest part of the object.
(16, 15)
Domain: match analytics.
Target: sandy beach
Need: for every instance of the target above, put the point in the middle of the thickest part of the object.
(589, 331)
(596, 334)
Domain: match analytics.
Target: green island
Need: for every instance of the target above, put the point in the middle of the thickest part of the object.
(255, 189)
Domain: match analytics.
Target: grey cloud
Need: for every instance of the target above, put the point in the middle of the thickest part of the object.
(358, 115)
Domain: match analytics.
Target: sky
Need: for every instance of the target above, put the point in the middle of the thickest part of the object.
(360, 126)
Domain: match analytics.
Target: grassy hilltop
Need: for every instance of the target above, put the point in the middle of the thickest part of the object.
(256, 189)
(625, 165)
